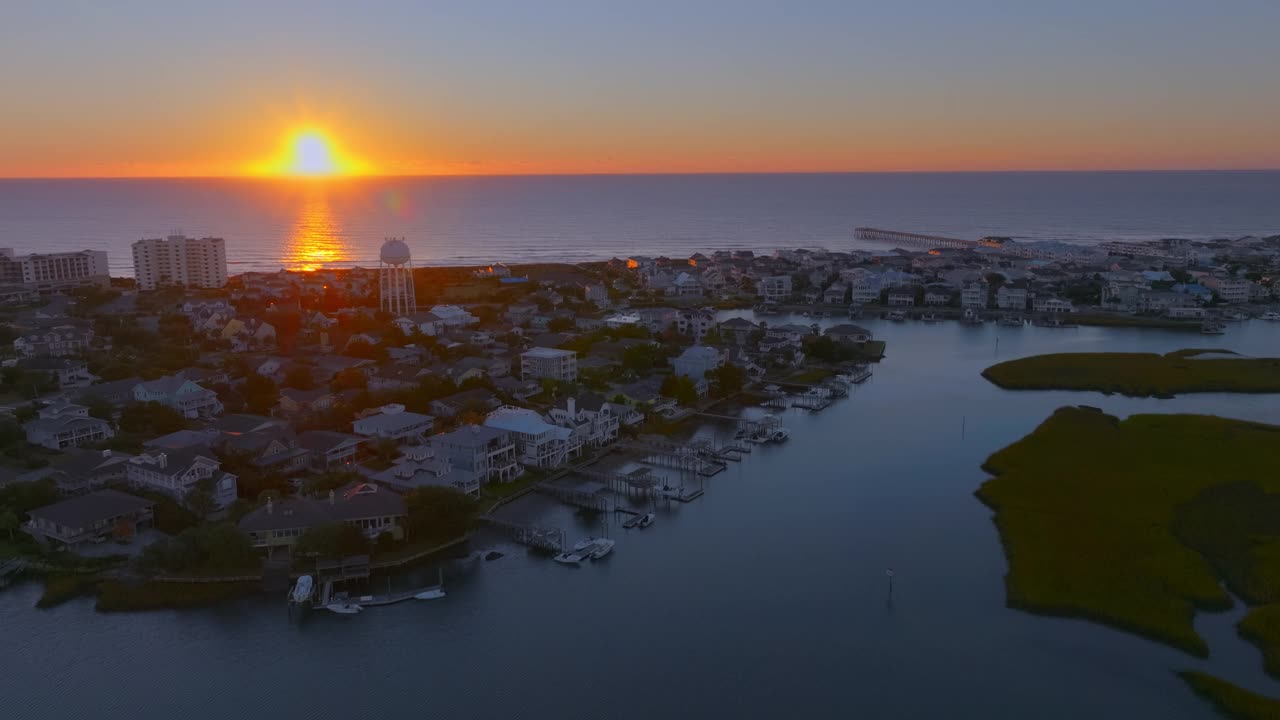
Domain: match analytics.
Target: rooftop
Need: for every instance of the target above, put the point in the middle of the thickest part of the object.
(79, 512)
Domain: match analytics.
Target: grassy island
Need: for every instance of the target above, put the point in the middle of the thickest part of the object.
(1135, 523)
(1140, 374)
(1230, 700)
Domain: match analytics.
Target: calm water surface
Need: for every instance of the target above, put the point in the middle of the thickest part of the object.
(765, 598)
(269, 224)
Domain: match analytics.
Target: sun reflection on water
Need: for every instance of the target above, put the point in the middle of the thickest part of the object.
(316, 239)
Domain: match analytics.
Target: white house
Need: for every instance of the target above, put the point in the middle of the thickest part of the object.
(487, 452)
(1011, 298)
(538, 363)
(776, 288)
(454, 316)
(974, 295)
(538, 443)
(1052, 305)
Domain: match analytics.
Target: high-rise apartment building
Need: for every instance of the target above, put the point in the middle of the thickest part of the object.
(178, 259)
(54, 271)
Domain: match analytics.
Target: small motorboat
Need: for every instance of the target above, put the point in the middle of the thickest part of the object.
(492, 555)
(302, 589)
(1209, 327)
(1272, 316)
(342, 605)
(568, 558)
(779, 435)
(647, 519)
(432, 594)
(897, 316)
(603, 547)
(583, 547)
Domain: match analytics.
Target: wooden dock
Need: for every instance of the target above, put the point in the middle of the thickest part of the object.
(541, 538)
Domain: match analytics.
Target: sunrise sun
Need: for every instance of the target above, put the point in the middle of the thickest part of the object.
(310, 152)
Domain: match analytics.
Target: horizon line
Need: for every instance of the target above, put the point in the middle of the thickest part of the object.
(384, 176)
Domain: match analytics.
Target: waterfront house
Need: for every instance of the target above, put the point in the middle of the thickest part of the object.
(85, 518)
(177, 472)
(188, 398)
(393, 422)
(737, 330)
(592, 418)
(775, 288)
(330, 450)
(487, 453)
(937, 296)
(115, 392)
(849, 333)
(837, 294)
(539, 444)
(789, 333)
(273, 448)
(418, 467)
(974, 296)
(550, 363)
(902, 297)
(696, 361)
(1049, 304)
(1012, 297)
(374, 510)
(66, 425)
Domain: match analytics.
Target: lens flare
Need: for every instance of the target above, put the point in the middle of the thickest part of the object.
(310, 152)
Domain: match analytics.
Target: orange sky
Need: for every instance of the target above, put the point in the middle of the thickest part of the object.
(511, 88)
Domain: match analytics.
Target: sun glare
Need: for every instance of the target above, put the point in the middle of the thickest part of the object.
(311, 153)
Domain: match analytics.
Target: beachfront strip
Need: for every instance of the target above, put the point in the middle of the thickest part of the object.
(291, 400)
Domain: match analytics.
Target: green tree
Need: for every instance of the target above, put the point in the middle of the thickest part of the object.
(681, 389)
(727, 379)
(9, 521)
(439, 512)
(260, 393)
(200, 499)
(560, 324)
(151, 418)
(348, 379)
(334, 540)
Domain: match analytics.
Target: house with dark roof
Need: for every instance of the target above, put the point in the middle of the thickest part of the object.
(372, 509)
(299, 402)
(70, 374)
(177, 473)
(329, 449)
(82, 471)
(86, 518)
(393, 422)
(478, 399)
(115, 392)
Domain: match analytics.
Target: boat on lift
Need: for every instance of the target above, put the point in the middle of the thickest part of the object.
(302, 590)
(603, 547)
(568, 558)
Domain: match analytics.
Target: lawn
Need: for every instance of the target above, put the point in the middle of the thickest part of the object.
(1139, 374)
(1135, 523)
(1136, 321)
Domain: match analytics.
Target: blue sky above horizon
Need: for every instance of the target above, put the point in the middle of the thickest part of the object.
(150, 88)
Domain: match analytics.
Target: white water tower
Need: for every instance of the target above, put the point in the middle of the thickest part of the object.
(395, 278)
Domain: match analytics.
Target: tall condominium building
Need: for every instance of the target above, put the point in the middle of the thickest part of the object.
(54, 271)
(178, 259)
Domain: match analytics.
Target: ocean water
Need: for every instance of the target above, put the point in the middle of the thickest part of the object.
(269, 224)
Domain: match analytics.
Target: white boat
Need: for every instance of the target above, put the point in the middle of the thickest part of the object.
(1213, 328)
(667, 491)
(432, 594)
(897, 316)
(302, 589)
(568, 558)
(603, 547)
(779, 434)
(1235, 316)
(1271, 316)
(583, 547)
(646, 519)
(343, 605)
